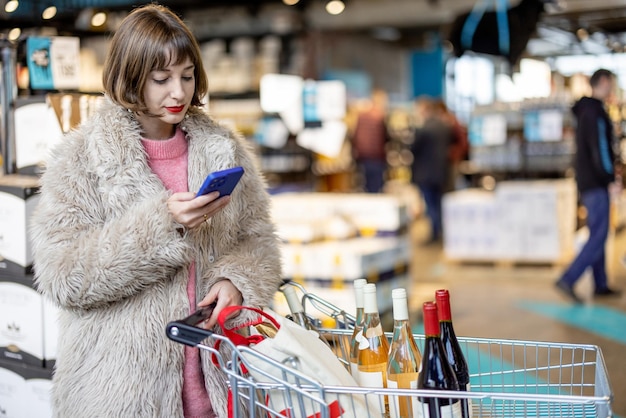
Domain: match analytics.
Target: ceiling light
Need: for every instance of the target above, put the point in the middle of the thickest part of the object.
(291, 2)
(49, 13)
(335, 7)
(11, 6)
(98, 19)
(14, 34)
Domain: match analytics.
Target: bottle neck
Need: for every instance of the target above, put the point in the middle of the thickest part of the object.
(401, 329)
(371, 324)
(400, 309)
(358, 293)
(443, 305)
(359, 317)
(370, 305)
(295, 306)
(301, 319)
(431, 321)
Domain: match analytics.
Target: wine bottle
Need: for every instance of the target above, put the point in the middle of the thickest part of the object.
(404, 358)
(297, 311)
(435, 371)
(373, 347)
(357, 334)
(452, 347)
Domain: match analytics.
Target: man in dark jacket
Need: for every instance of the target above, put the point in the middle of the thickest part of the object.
(594, 165)
(430, 162)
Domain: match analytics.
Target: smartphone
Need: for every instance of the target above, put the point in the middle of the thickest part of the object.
(199, 316)
(223, 181)
(188, 331)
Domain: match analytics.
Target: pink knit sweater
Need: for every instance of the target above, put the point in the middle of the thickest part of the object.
(168, 160)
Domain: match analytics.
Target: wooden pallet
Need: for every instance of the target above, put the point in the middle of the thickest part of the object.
(507, 263)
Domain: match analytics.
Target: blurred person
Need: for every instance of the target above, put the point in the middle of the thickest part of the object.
(595, 171)
(123, 245)
(458, 148)
(430, 162)
(369, 138)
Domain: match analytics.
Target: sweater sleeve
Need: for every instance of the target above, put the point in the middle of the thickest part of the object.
(87, 255)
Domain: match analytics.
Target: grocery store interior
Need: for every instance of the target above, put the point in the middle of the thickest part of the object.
(309, 83)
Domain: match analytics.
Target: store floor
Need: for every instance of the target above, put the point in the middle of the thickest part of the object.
(521, 303)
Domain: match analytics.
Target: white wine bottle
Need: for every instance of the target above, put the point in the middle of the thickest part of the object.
(404, 358)
(297, 311)
(373, 347)
(357, 334)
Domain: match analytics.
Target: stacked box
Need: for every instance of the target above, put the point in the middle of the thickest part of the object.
(328, 268)
(331, 239)
(345, 260)
(537, 219)
(470, 228)
(367, 214)
(25, 390)
(526, 221)
(18, 199)
(28, 328)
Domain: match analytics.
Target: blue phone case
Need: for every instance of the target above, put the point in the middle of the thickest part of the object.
(223, 181)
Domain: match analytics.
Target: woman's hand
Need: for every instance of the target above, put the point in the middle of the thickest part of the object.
(225, 294)
(191, 211)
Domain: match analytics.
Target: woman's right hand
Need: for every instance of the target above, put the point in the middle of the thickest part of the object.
(191, 211)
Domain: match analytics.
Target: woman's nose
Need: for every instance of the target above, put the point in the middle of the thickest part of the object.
(177, 90)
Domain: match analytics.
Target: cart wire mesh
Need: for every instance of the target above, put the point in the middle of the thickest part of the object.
(508, 378)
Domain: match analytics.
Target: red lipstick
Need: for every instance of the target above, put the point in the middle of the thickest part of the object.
(175, 109)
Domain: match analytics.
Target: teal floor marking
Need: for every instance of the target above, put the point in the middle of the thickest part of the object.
(596, 319)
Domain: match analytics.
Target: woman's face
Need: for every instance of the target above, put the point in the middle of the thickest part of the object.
(167, 94)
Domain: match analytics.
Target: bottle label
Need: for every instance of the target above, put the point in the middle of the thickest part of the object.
(363, 342)
(354, 371)
(445, 411)
(371, 379)
(469, 402)
(374, 379)
(403, 406)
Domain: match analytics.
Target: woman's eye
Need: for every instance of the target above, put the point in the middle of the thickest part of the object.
(160, 81)
(188, 78)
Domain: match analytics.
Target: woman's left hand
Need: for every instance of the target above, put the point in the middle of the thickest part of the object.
(224, 293)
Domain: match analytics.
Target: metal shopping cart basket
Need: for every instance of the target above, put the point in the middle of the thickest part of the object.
(508, 378)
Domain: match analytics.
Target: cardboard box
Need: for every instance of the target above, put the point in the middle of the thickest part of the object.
(367, 214)
(28, 328)
(470, 225)
(25, 391)
(526, 221)
(18, 199)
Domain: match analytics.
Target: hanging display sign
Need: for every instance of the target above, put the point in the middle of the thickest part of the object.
(53, 62)
(312, 110)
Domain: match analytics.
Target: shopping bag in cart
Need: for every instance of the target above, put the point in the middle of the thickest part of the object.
(297, 348)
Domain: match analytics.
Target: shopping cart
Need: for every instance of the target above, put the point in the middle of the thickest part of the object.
(508, 378)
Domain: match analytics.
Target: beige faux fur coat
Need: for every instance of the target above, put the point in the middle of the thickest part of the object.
(109, 254)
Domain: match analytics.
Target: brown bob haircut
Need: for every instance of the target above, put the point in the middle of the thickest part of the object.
(150, 38)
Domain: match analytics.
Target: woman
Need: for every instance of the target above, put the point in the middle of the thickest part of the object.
(123, 245)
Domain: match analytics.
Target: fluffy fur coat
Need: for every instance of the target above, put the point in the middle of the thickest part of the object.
(109, 254)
